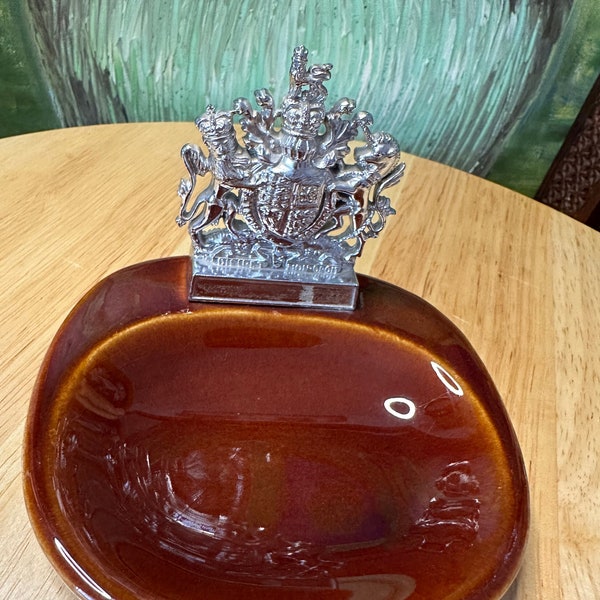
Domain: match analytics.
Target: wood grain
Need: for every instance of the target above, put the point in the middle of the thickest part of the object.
(521, 280)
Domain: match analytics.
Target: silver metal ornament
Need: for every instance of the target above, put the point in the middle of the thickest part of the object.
(288, 205)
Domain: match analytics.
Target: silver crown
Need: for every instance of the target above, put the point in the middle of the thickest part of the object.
(285, 212)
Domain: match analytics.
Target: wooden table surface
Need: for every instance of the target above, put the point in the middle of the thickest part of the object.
(519, 279)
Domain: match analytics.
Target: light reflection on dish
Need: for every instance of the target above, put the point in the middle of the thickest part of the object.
(409, 407)
(79, 570)
(448, 380)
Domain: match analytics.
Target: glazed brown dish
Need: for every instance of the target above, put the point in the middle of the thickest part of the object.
(187, 451)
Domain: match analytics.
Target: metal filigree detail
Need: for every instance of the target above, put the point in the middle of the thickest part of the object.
(286, 212)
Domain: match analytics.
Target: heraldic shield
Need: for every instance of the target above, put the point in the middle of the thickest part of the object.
(286, 210)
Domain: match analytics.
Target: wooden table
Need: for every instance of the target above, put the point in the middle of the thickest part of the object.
(521, 280)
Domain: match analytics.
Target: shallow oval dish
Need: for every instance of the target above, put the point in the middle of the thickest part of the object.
(188, 451)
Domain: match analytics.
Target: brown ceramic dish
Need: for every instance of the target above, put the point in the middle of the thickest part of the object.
(188, 451)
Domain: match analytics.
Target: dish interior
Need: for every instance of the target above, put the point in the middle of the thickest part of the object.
(243, 454)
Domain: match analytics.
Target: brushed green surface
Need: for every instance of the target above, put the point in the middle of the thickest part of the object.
(477, 85)
(25, 103)
(537, 136)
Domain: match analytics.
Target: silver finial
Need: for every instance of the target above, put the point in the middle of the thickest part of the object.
(286, 213)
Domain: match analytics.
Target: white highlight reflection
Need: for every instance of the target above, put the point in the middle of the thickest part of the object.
(409, 406)
(449, 382)
(77, 568)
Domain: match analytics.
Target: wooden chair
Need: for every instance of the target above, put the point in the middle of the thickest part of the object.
(572, 184)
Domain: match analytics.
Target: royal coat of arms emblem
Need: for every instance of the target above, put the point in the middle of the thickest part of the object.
(289, 204)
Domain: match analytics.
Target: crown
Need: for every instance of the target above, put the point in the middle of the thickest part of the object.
(215, 125)
(287, 207)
